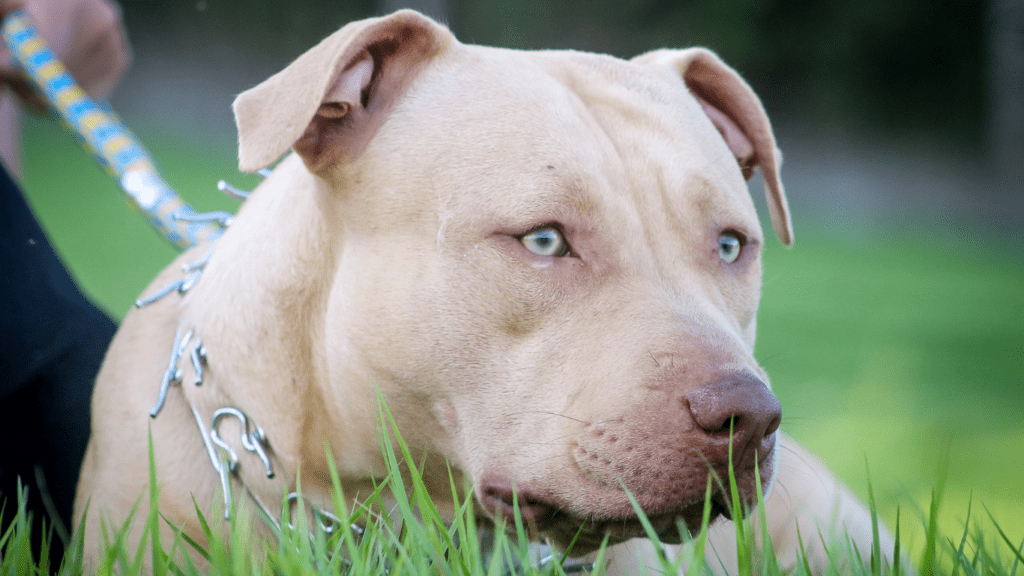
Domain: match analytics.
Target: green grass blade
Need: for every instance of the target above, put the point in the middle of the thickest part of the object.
(74, 556)
(928, 566)
(5, 537)
(196, 546)
(599, 559)
(896, 545)
(1017, 560)
(742, 546)
(963, 538)
(698, 563)
(876, 543)
(159, 559)
(652, 535)
(804, 563)
(522, 541)
(769, 563)
(999, 529)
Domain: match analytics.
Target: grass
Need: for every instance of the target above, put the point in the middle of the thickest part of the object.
(416, 539)
(907, 352)
(903, 349)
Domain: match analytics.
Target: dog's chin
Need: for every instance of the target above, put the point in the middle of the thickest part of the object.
(580, 536)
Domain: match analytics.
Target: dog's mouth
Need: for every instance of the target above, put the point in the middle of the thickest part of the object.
(580, 535)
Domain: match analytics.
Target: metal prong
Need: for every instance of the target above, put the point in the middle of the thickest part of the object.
(257, 441)
(220, 217)
(231, 191)
(198, 264)
(172, 375)
(181, 286)
(194, 271)
(223, 469)
(159, 294)
(198, 358)
(189, 281)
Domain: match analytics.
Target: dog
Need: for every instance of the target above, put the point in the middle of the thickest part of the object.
(546, 263)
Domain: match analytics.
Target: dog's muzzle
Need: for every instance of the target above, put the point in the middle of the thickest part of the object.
(664, 454)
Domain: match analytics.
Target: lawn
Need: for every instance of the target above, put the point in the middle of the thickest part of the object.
(901, 352)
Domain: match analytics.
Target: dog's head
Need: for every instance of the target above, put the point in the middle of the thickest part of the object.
(548, 262)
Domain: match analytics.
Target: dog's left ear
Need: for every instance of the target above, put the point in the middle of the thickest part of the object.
(737, 113)
(330, 101)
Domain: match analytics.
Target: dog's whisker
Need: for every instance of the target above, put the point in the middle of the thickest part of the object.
(563, 415)
(764, 361)
(559, 414)
(787, 495)
(791, 419)
(552, 442)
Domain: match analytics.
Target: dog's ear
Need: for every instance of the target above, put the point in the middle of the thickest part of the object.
(331, 100)
(737, 113)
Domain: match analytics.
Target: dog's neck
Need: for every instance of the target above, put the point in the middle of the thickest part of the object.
(267, 365)
(273, 367)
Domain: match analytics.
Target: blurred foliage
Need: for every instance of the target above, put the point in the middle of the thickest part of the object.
(912, 64)
(894, 66)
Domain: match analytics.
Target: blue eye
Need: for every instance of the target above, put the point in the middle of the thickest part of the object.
(729, 246)
(546, 241)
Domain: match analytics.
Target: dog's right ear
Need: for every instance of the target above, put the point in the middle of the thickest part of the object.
(330, 101)
(736, 112)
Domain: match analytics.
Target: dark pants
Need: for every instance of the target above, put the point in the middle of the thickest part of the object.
(52, 341)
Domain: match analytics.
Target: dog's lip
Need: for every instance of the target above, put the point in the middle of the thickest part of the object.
(544, 515)
(584, 535)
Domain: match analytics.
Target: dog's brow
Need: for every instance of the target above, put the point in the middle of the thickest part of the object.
(565, 198)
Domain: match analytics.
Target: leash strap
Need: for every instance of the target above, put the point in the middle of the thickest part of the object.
(102, 133)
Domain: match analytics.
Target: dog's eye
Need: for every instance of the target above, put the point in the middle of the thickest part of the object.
(730, 244)
(546, 241)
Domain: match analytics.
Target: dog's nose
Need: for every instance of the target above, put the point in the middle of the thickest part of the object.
(741, 403)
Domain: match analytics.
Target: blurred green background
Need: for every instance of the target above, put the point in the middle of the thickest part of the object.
(893, 331)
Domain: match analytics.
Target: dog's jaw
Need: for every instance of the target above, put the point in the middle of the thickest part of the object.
(581, 521)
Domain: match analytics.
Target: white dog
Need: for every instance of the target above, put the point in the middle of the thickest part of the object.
(547, 263)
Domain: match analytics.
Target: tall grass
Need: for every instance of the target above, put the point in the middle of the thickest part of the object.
(412, 538)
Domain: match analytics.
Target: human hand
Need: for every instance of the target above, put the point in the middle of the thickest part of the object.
(86, 35)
